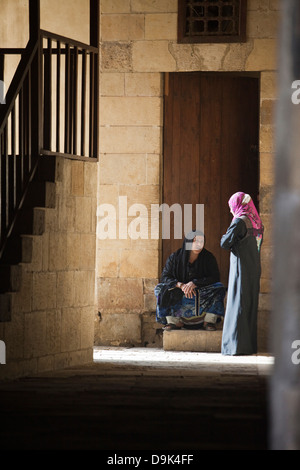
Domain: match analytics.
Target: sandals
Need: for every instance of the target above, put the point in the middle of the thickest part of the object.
(209, 327)
(171, 326)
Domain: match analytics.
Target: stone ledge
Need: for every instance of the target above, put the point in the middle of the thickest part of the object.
(192, 340)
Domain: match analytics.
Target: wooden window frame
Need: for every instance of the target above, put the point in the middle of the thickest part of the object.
(183, 38)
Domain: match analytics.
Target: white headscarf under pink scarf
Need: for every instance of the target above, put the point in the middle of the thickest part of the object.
(241, 204)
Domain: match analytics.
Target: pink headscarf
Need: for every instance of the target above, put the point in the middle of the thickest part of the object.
(241, 204)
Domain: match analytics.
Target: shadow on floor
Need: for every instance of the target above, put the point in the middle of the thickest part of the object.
(140, 399)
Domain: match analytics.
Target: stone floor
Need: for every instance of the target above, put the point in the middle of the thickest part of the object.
(141, 399)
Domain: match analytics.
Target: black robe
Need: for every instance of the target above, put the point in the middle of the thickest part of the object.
(203, 272)
(240, 321)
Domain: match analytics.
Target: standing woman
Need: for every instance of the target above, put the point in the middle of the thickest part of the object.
(243, 238)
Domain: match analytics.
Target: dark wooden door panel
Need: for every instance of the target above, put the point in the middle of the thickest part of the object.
(210, 149)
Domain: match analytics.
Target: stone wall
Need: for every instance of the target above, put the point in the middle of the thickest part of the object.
(70, 19)
(138, 45)
(52, 323)
(14, 17)
(52, 315)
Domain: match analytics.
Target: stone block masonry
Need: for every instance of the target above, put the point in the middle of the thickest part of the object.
(52, 324)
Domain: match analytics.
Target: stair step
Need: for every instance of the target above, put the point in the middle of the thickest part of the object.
(18, 250)
(13, 251)
(5, 307)
(46, 170)
(31, 222)
(41, 193)
(192, 340)
(10, 278)
(25, 222)
(39, 220)
(27, 248)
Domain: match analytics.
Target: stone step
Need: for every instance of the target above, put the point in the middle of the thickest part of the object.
(19, 250)
(41, 193)
(6, 306)
(192, 340)
(43, 220)
(33, 219)
(10, 278)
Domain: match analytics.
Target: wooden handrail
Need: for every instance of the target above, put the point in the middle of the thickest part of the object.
(75, 133)
(64, 39)
(19, 142)
(17, 82)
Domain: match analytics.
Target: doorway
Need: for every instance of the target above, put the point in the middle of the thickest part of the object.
(211, 142)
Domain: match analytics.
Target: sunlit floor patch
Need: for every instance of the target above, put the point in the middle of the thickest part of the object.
(153, 356)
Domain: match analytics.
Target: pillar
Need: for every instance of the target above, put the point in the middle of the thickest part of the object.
(285, 382)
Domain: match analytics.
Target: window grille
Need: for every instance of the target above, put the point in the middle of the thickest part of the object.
(211, 21)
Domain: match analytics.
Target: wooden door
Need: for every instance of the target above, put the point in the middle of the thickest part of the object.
(210, 149)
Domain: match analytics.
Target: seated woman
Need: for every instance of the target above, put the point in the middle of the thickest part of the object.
(190, 294)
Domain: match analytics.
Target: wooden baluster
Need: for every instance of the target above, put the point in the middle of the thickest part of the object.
(21, 142)
(67, 99)
(83, 101)
(13, 190)
(48, 95)
(71, 103)
(92, 104)
(2, 225)
(75, 105)
(24, 130)
(58, 96)
(29, 126)
(5, 179)
(94, 41)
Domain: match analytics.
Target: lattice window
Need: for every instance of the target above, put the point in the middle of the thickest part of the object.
(212, 21)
